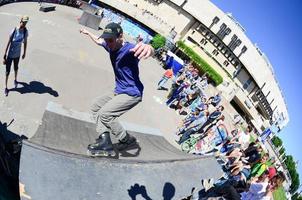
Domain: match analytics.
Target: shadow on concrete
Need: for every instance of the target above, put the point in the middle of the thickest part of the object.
(168, 191)
(136, 189)
(163, 88)
(10, 148)
(34, 87)
(130, 152)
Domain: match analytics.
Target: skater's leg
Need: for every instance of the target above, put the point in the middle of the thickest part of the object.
(162, 82)
(8, 67)
(114, 108)
(99, 102)
(16, 67)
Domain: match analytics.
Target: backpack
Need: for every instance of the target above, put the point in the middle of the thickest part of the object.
(24, 34)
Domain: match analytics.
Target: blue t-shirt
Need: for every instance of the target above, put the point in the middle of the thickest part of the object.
(125, 67)
(15, 46)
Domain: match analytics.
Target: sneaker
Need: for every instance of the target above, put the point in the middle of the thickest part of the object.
(126, 142)
(207, 184)
(211, 182)
(16, 83)
(6, 92)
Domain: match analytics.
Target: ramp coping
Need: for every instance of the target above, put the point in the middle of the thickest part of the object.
(59, 109)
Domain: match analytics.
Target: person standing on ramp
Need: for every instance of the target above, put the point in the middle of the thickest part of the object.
(128, 90)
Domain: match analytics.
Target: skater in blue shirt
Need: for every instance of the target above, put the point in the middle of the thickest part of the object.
(128, 90)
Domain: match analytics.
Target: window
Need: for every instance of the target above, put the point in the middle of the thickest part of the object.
(208, 35)
(227, 53)
(247, 83)
(217, 43)
(214, 21)
(212, 39)
(215, 52)
(226, 63)
(231, 59)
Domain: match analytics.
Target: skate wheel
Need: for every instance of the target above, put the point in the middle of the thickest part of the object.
(101, 153)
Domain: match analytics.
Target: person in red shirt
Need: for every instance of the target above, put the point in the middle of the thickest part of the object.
(166, 76)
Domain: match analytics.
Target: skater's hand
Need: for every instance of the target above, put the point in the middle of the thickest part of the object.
(142, 50)
(23, 56)
(84, 31)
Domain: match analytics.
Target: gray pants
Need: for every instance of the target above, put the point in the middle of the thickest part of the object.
(106, 110)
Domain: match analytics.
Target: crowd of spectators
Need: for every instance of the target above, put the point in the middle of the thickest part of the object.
(248, 172)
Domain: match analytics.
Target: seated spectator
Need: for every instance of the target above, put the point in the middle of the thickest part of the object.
(253, 152)
(193, 127)
(259, 168)
(244, 137)
(258, 188)
(216, 99)
(214, 116)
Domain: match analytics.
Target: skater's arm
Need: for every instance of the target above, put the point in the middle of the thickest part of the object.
(24, 50)
(7, 46)
(94, 38)
(142, 50)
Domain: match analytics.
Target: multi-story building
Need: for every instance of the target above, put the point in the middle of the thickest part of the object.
(249, 80)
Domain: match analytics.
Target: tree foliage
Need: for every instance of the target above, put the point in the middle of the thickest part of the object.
(202, 65)
(158, 41)
(297, 197)
(277, 141)
(291, 166)
(282, 150)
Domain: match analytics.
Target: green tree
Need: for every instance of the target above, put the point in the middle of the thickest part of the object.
(282, 150)
(202, 65)
(291, 166)
(297, 197)
(158, 41)
(277, 141)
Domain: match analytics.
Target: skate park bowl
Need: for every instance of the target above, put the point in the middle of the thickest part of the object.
(54, 164)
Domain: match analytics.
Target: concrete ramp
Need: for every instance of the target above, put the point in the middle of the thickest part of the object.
(54, 164)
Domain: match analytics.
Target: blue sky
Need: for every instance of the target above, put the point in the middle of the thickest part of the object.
(275, 25)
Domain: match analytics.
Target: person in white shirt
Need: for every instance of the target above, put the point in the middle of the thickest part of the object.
(244, 137)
